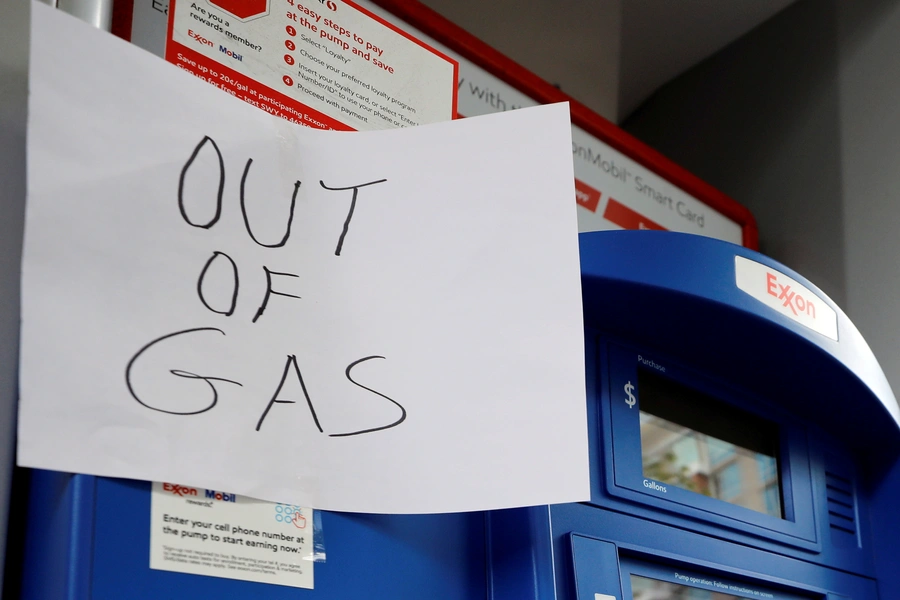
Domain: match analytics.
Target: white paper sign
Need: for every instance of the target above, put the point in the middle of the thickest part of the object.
(208, 532)
(380, 322)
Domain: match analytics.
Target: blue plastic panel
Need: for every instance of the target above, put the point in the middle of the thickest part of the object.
(520, 554)
(885, 515)
(648, 541)
(624, 473)
(90, 539)
(677, 292)
(826, 455)
(60, 535)
(596, 565)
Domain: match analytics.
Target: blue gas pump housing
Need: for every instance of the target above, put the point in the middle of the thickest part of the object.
(665, 316)
(674, 341)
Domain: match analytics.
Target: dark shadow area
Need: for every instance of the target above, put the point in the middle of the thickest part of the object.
(14, 564)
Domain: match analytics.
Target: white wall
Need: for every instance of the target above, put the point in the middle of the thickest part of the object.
(569, 43)
(761, 120)
(870, 166)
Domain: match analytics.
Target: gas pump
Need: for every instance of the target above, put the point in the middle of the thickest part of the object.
(742, 439)
(744, 444)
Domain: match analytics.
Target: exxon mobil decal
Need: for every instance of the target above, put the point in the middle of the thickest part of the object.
(785, 295)
(183, 490)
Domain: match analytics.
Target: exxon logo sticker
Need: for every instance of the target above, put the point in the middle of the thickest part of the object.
(785, 295)
(179, 490)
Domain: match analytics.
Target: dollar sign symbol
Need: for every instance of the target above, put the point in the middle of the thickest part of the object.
(629, 387)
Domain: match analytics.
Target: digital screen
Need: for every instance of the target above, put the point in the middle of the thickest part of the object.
(696, 442)
(644, 588)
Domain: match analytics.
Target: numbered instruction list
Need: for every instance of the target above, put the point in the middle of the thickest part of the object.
(208, 532)
(323, 64)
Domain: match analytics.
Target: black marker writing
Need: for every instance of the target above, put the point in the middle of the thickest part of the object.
(270, 291)
(355, 188)
(235, 286)
(177, 373)
(290, 365)
(373, 429)
(219, 191)
(290, 221)
(218, 298)
(291, 362)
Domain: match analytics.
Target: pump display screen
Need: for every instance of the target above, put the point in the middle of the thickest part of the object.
(645, 588)
(695, 442)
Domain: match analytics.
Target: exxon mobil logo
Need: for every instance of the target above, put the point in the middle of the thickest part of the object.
(793, 300)
(179, 490)
(185, 491)
(220, 496)
(786, 295)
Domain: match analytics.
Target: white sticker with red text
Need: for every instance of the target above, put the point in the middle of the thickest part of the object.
(219, 534)
(786, 295)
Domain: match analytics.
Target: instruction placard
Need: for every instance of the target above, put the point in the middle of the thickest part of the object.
(209, 532)
(324, 64)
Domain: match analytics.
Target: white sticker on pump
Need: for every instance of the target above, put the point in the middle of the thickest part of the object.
(219, 534)
(785, 295)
